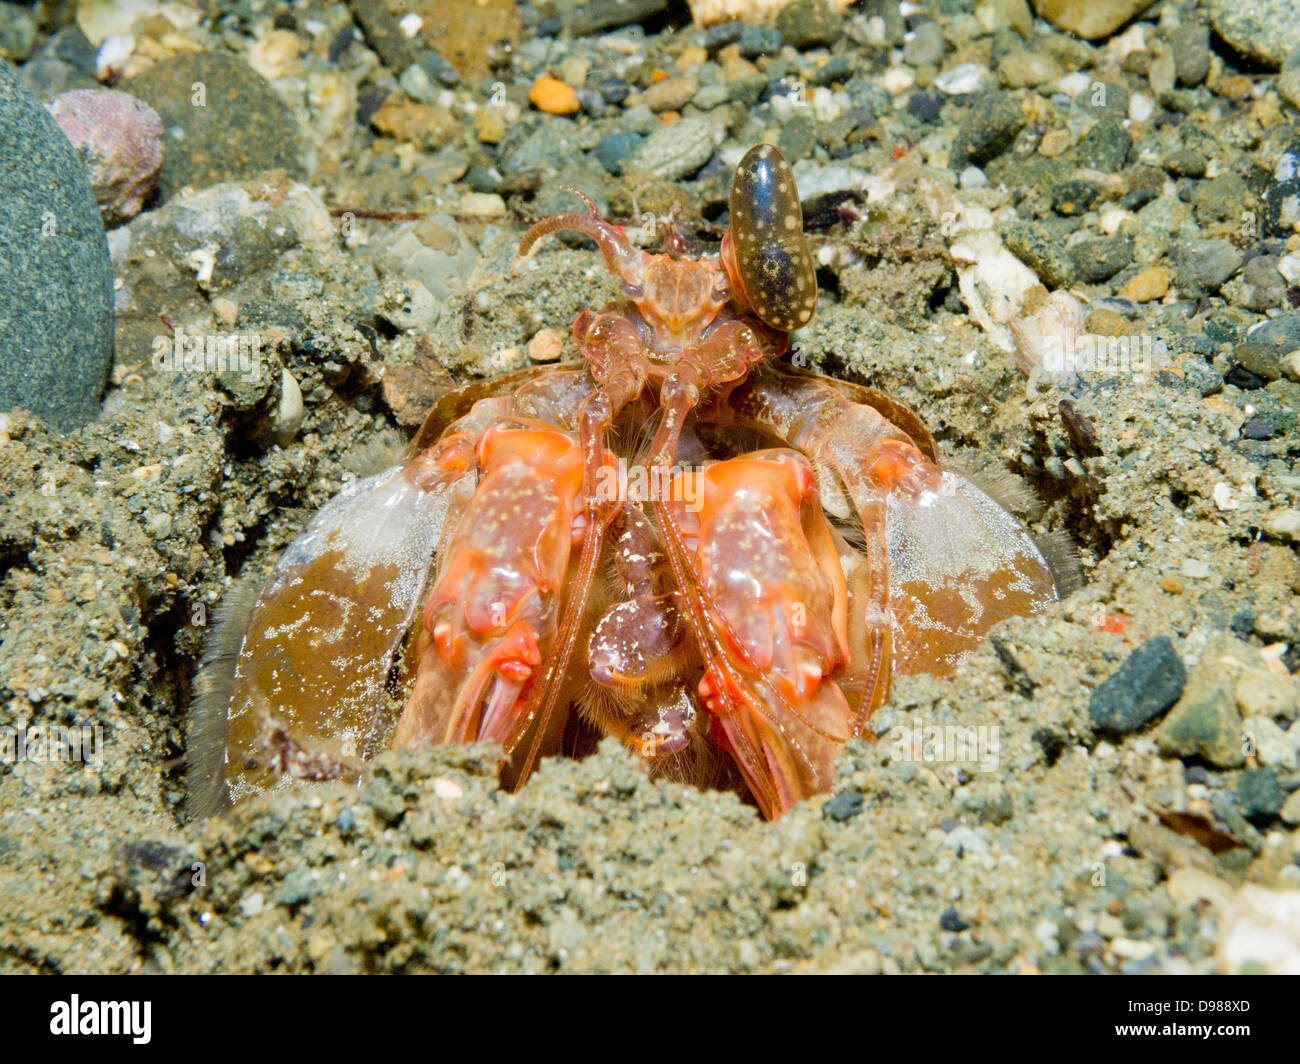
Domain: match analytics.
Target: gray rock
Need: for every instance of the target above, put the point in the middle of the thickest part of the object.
(1259, 795)
(17, 32)
(992, 125)
(614, 149)
(550, 149)
(675, 151)
(864, 96)
(436, 253)
(1104, 98)
(798, 136)
(56, 282)
(598, 15)
(1264, 29)
(809, 24)
(1281, 333)
(1101, 258)
(1105, 146)
(1045, 257)
(241, 129)
(1225, 198)
(926, 46)
(1205, 723)
(844, 806)
(1145, 686)
(1190, 44)
(1201, 266)
(1201, 375)
(759, 40)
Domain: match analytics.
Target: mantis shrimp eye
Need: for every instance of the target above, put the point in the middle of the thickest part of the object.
(764, 253)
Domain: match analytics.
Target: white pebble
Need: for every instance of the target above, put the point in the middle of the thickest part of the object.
(1196, 570)
(973, 177)
(1113, 217)
(1140, 107)
(1073, 84)
(113, 53)
(1223, 496)
(447, 790)
(898, 79)
(288, 418)
(961, 79)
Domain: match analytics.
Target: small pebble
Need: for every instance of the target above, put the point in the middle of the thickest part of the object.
(546, 346)
(553, 96)
(159, 525)
(1072, 198)
(671, 94)
(1149, 681)
(1258, 795)
(843, 806)
(447, 790)
(1147, 285)
(481, 205)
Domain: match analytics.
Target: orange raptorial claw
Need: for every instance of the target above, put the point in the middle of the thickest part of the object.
(492, 613)
(770, 609)
(487, 719)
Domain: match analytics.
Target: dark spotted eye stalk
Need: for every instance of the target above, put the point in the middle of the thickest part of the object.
(764, 252)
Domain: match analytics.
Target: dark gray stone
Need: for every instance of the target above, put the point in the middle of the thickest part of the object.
(1045, 257)
(809, 24)
(1145, 686)
(1190, 44)
(994, 121)
(1072, 198)
(1259, 795)
(844, 806)
(1202, 266)
(759, 40)
(601, 15)
(614, 149)
(242, 128)
(1105, 146)
(1102, 257)
(1282, 332)
(1200, 375)
(56, 282)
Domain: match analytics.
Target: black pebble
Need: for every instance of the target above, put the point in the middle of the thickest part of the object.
(925, 105)
(844, 806)
(1144, 687)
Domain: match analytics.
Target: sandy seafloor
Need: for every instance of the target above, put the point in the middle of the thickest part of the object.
(1074, 849)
